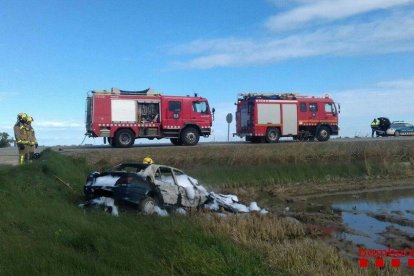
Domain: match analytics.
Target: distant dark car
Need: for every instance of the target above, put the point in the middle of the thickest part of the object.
(384, 124)
(146, 186)
(400, 128)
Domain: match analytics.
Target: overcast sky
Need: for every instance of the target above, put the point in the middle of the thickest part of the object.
(53, 52)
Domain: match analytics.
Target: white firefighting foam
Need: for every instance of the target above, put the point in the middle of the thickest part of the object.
(107, 202)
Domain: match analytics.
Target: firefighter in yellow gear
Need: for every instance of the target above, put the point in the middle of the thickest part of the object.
(21, 133)
(32, 146)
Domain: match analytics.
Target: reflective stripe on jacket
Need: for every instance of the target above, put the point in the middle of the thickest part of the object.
(31, 136)
(21, 133)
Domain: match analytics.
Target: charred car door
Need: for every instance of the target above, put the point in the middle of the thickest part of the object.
(131, 188)
(164, 180)
(190, 195)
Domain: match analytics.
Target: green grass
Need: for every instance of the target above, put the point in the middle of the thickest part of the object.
(236, 165)
(267, 175)
(43, 231)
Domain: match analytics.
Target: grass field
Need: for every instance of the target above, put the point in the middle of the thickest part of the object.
(247, 165)
(43, 231)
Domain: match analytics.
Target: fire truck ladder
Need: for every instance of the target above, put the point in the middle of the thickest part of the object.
(116, 91)
(269, 96)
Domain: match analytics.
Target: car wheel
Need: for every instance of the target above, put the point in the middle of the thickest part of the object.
(147, 206)
(124, 138)
(272, 135)
(397, 133)
(323, 134)
(176, 141)
(190, 136)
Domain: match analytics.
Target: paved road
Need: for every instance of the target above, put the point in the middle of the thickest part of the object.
(9, 156)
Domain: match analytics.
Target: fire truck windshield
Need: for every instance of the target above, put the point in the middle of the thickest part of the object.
(329, 108)
(200, 107)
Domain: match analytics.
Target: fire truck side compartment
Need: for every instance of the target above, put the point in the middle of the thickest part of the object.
(123, 111)
(290, 119)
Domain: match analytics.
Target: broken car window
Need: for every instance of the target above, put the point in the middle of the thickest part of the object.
(165, 175)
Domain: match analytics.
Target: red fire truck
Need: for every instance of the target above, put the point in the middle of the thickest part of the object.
(121, 116)
(267, 117)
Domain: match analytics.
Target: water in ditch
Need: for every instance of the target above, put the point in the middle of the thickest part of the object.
(378, 220)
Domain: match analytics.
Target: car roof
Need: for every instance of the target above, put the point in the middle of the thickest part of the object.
(141, 166)
(401, 124)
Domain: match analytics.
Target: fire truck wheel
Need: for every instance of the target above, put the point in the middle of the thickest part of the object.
(124, 138)
(190, 136)
(176, 141)
(272, 135)
(323, 134)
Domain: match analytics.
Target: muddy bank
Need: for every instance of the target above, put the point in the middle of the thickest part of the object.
(370, 213)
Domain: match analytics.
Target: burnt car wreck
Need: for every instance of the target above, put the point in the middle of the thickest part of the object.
(148, 186)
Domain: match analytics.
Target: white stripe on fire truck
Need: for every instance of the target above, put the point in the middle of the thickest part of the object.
(275, 101)
(127, 125)
(141, 125)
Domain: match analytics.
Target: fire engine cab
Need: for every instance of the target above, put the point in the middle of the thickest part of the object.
(267, 117)
(121, 116)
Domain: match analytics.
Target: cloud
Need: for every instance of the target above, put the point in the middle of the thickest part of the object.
(405, 85)
(278, 3)
(391, 34)
(327, 10)
(57, 124)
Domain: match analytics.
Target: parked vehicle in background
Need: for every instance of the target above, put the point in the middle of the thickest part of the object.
(267, 117)
(121, 116)
(399, 128)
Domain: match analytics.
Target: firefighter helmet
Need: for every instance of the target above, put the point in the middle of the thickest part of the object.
(148, 160)
(29, 119)
(22, 117)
